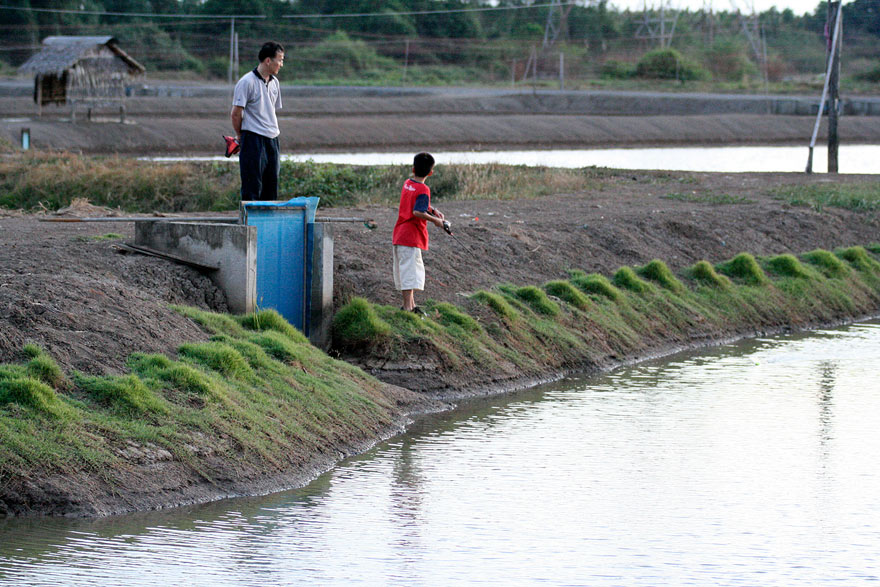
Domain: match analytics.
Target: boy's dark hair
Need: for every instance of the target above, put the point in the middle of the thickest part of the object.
(423, 163)
(270, 50)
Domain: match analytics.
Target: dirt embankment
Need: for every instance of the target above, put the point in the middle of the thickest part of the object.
(68, 289)
(191, 120)
(65, 287)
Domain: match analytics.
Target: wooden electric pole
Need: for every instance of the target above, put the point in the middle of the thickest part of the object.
(834, 13)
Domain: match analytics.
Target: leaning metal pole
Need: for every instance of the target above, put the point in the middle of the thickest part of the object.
(825, 87)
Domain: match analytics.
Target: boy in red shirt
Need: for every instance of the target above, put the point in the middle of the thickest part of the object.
(410, 236)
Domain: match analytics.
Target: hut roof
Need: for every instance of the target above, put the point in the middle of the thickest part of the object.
(59, 53)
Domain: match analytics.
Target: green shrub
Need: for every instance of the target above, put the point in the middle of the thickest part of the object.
(217, 356)
(127, 393)
(612, 69)
(728, 59)
(872, 75)
(538, 300)
(788, 266)
(498, 304)
(568, 293)
(357, 323)
(626, 278)
(599, 285)
(658, 271)
(745, 267)
(859, 258)
(827, 262)
(704, 272)
(668, 64)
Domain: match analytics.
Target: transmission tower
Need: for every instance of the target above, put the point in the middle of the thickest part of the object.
(660, 29)
(557, 21)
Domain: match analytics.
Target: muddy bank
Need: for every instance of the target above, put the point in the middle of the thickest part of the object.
(190, 119)
(66, 288)
(158, 135)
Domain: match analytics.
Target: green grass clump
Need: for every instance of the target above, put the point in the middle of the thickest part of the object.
(874, 248)
(357, 323)
(498, 304)
(173, 374)
(707, 198)
(745, 267)
(704, 272)
(599, 285)
(568, 293)
(32, 393)
(788, 266)
(272, 320)
(127, 393)
(859, 258)
(217, 356)
(449, 315)
(658, 271)
(43, 368)
(626, 278)
(280, 347)
(859, 197)
(827, 262)
(538, 300)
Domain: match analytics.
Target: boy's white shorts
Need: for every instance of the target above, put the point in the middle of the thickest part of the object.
(409, 270)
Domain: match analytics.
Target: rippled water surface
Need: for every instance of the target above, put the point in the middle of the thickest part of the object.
(750, 464)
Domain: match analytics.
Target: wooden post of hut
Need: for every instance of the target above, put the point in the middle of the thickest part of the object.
(81, 71)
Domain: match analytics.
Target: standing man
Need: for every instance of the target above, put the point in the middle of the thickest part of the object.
(256, 97)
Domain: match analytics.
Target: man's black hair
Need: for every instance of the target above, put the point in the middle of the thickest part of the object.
(270, 50)
(423, 163)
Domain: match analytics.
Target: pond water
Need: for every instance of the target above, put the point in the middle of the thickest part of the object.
(753, 463)
(851, 158)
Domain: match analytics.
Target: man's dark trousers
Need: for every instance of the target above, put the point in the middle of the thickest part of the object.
(260, 163)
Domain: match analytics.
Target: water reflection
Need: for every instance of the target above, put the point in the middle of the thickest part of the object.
(751, 464)
(852, 158)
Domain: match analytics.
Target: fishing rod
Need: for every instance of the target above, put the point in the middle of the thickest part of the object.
(447, 227)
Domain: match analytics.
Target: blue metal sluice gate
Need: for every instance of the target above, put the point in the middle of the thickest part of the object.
(284, 235)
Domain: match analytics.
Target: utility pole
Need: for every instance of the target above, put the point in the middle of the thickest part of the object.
(834, 83)
(231, 49)
(835, 36)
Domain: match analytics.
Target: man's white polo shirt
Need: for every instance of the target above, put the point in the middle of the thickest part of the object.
(259, 99)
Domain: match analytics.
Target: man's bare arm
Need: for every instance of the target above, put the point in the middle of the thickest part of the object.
(236, 115)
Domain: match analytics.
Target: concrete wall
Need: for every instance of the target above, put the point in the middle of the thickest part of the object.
(230, 247)
(321, 295)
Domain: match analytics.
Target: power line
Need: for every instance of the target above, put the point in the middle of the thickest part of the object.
(294, 16)
(138, 14)
(423, 12)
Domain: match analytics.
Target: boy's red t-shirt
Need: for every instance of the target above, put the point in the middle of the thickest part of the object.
(409, 230)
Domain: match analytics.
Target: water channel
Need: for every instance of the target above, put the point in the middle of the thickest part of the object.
(753, 463)
(852, 158)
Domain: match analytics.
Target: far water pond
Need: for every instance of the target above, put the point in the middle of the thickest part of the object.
(753, 463)
(851, 158)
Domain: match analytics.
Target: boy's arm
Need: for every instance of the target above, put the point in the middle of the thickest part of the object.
(437, 220)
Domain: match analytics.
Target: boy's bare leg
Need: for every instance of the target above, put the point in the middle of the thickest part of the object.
(409, 301)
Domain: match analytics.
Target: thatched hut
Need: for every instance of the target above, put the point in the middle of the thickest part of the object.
(81, 71)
